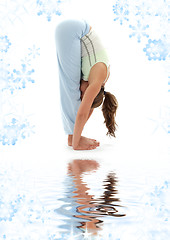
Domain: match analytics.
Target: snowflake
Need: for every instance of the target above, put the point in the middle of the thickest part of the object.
(8, 209)
(49, 7)
(26, 61)
(32, 211)
(11, 84)
(139, 31)
(143, 10)
(163, 11)
(14, 130)
(34, 51)
(9, 200)
(4, 43)
(18, 79)
(162, 120)
(158, 199)
(22, 209)
(12, 11)
(121, 12)
(156, 50)
(23, 77)
(3, 74)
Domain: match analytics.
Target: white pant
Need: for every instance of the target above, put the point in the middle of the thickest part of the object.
(68, 46)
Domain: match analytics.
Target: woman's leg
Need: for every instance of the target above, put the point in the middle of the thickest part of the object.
(68, 46)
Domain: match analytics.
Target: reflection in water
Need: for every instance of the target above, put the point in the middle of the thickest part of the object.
(106, 204)
(82, 210)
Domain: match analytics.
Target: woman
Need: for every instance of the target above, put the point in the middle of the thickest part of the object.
(80, 54)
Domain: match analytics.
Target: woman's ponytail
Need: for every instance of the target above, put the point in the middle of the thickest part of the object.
(109, 108)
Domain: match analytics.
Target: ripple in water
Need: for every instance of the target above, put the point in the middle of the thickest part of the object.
(81, 210)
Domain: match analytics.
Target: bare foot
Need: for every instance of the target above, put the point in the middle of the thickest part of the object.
(85, 143)
(92, 141)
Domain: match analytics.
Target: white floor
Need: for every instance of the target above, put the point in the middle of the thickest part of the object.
(34, 182)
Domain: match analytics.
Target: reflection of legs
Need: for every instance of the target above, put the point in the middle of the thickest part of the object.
(68, 34)
(84, 200)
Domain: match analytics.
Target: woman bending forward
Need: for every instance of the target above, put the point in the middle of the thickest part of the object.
(83, 68)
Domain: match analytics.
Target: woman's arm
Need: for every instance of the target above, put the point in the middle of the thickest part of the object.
(83, 86)
(97, 76)
(84, 111)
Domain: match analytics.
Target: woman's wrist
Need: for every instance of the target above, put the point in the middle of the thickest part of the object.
(70, 139)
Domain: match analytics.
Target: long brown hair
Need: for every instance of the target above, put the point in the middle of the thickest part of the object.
(109, 107)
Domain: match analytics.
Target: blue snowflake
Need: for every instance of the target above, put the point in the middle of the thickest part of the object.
(4, 43)
(14, 130)
(162, 120)
(49, 7)
(143, 10)
(4, 72)
(17, 80)
(158, 199)
(139, 31)
(121, 11)
(35, 212)
(163, 11)
(12, 11)
(8, 209)
(33, 51)
(169, 83)
(156, 50)
(23, 77)
(10, 83)
(26, 61)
